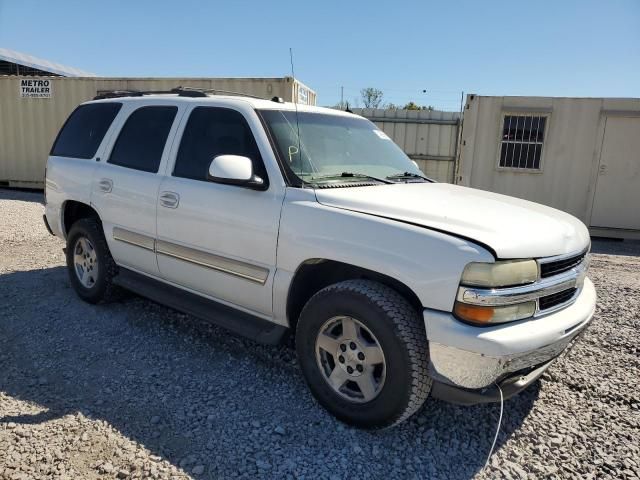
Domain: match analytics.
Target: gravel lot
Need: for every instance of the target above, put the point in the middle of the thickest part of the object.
(133, 389)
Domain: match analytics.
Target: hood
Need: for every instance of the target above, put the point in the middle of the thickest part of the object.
(512, 227)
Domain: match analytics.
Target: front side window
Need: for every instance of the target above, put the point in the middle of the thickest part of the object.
(213, 131)
(83, 132)
(143, 137)
(522, 140)
(337, 148)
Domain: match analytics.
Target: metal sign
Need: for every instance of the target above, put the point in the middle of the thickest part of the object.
(36, 88)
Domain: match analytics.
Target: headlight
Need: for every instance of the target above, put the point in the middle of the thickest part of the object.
(500, 274)
(481, 315)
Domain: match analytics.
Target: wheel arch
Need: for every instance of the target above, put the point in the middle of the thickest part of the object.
(72, 211)
(314, 274)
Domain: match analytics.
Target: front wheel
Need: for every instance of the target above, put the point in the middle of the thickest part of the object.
(363, 351)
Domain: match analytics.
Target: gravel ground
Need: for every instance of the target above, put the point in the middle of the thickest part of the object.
(133, 389)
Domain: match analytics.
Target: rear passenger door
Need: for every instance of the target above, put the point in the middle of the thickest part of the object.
(125, 187)
(216, 239)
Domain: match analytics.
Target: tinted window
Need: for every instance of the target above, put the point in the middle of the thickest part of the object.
(81, 135)
(142, 139)
(211, 132)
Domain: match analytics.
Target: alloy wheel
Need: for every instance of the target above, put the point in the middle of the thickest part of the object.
(85, 262)
(351, 359)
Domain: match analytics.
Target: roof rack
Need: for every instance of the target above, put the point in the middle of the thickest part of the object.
(180, 91)
(215, 91)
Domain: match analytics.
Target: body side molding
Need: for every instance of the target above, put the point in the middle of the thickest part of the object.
(253, 273)
(133, 238)
(248, 271)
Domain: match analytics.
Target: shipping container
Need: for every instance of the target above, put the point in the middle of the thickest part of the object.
(580, 155)
(32, 110)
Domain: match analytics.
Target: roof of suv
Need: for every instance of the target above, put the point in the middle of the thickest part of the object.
(257, 103)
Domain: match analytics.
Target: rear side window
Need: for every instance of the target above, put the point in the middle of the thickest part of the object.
(85, 128)
(142, 138)
(210, 132)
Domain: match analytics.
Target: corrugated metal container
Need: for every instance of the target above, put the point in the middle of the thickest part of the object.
(28, 126)
(428, 137)
(589, 162)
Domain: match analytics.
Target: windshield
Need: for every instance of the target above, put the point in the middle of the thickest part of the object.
(336, 148)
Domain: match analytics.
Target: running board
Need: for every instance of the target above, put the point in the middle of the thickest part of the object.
(239, 322)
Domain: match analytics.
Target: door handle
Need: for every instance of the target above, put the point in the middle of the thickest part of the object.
(105, 184)
(169, 199)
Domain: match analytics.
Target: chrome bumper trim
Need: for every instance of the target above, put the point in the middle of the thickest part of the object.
(510, 386)
(462, 368)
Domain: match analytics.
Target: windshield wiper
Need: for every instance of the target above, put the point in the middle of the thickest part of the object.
(405, 175)
(352, 175)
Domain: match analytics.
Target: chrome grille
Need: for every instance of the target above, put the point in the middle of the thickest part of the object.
(550, 301)
(553, 268)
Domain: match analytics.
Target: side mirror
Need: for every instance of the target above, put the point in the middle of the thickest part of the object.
(234, 170)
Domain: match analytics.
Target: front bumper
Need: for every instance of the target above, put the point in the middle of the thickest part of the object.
(470, 357)
(509, 386)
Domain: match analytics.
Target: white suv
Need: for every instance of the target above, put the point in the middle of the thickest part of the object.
(268, 220)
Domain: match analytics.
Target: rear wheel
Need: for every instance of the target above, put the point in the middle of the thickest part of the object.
(89, 263)
(363, 351)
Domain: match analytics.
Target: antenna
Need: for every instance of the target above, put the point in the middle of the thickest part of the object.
(295, 103)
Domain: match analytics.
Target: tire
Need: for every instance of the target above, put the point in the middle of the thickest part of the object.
(381, 317)
(86, 236)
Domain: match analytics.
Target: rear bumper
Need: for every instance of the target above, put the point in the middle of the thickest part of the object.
(475, 358)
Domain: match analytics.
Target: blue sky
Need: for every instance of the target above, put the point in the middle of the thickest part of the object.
(560, 48)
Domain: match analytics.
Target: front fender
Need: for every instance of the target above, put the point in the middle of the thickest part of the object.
(430, 263)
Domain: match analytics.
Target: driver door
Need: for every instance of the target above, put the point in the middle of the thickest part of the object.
(215, 239)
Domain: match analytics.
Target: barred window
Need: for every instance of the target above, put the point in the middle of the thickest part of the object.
(522, 140)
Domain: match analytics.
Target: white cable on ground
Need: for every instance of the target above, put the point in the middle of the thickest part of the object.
(495, 439)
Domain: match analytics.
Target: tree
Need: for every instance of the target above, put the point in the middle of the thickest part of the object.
(371, 97)
(411, 106)
(414, 106)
